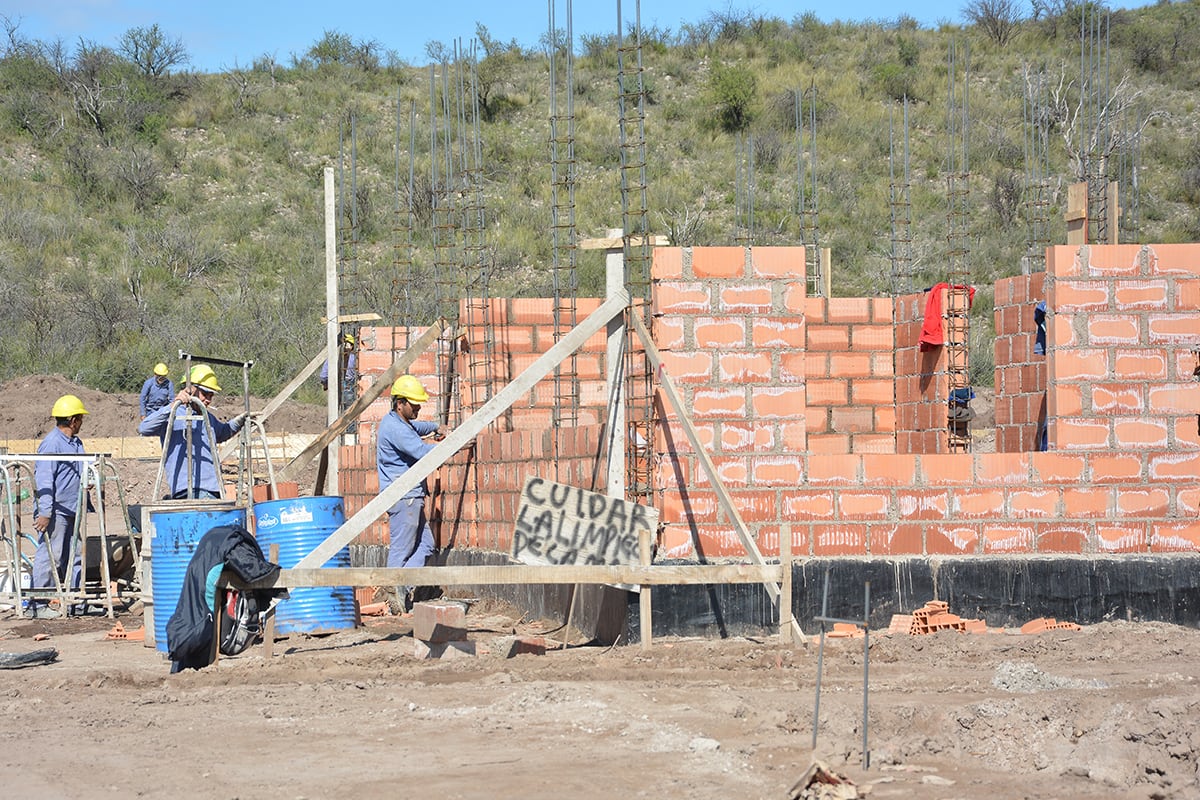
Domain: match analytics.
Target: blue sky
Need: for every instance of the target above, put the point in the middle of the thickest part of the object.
(219, 34)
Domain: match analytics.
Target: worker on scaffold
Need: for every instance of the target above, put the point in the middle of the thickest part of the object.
(204, 480)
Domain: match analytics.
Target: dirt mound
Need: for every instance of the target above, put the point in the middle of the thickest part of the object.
(25, 410)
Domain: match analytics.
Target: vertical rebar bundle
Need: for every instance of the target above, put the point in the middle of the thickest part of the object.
(563, 235)
(477, 258)
(1037, 172)
(900, 203)
(1129, 166)
(744, 188)
(402, 255)
(958, 295)
(810, 228)
(1095, 122)
(447, 282)
(639, 393)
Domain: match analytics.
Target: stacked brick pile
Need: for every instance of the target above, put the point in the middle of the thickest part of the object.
(934, 616)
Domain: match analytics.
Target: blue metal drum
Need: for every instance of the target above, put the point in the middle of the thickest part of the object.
(176, 534)
(298, 525)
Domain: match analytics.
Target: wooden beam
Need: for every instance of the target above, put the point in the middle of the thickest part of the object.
(1076, 214)
(724, 498)
(617, 243)
(382, 384)
(525, 574)
(278, 400)
(463, 434)
(344, 318)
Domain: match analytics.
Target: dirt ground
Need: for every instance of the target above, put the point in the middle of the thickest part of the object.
(1111, 711)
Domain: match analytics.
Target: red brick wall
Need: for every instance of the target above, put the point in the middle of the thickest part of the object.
(729, 322)
(922, 385)
(1121, 477)
(1122, 330)
(1020, 384)
(850, 378)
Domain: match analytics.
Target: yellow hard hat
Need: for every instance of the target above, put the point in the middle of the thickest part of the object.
(160, 369)
(410, 389)
(348, 339)
(203, 376)
(67, 406)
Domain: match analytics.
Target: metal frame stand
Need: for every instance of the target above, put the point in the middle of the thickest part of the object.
(863, 623)
(16, 470)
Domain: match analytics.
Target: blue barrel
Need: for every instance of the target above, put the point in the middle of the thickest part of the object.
(298, 525)
(176, 534)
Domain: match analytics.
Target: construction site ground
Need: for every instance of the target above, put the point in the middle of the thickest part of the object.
(1112, 710)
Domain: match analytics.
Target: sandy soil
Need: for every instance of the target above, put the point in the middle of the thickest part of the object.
(1109, 711)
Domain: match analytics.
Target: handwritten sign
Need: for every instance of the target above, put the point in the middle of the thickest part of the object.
(560, 524)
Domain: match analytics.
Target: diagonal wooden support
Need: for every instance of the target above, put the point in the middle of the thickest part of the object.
(278, 400)
(381, 385)
(724, 498)
(463, 434)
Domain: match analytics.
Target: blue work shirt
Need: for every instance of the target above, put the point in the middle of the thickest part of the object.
(204, 472)
(399, 446)
(155, 395)
(349, 375)
(58, 481)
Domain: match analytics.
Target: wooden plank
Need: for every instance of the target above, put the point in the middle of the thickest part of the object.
(344, 318)
(617, 243)
(525, 575)
(645, 617)
(785, 588)
(382, 384)
(116, 446)
(278, 400)
(724, 498)
(463, 434)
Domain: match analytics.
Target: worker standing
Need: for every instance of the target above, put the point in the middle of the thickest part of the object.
(58, 495)
(349, 366)
(157, 391)
(400, 444)
(192, 403)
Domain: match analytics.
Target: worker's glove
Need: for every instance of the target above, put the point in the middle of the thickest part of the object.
(239, 420)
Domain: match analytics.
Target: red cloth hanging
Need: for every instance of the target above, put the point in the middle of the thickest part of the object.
(931, 330)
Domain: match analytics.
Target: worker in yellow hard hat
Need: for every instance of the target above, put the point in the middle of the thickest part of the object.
(58, 493)
(157, 391)
(348, 376)
(191, 407)
(400, 444)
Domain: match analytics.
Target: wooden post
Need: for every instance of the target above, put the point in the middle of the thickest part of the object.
(1113, 207)
(614, 282)
(333, 393)
(1076, 216)
(785, 587)
(826, 272)
(645, 618)
(269, 630)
